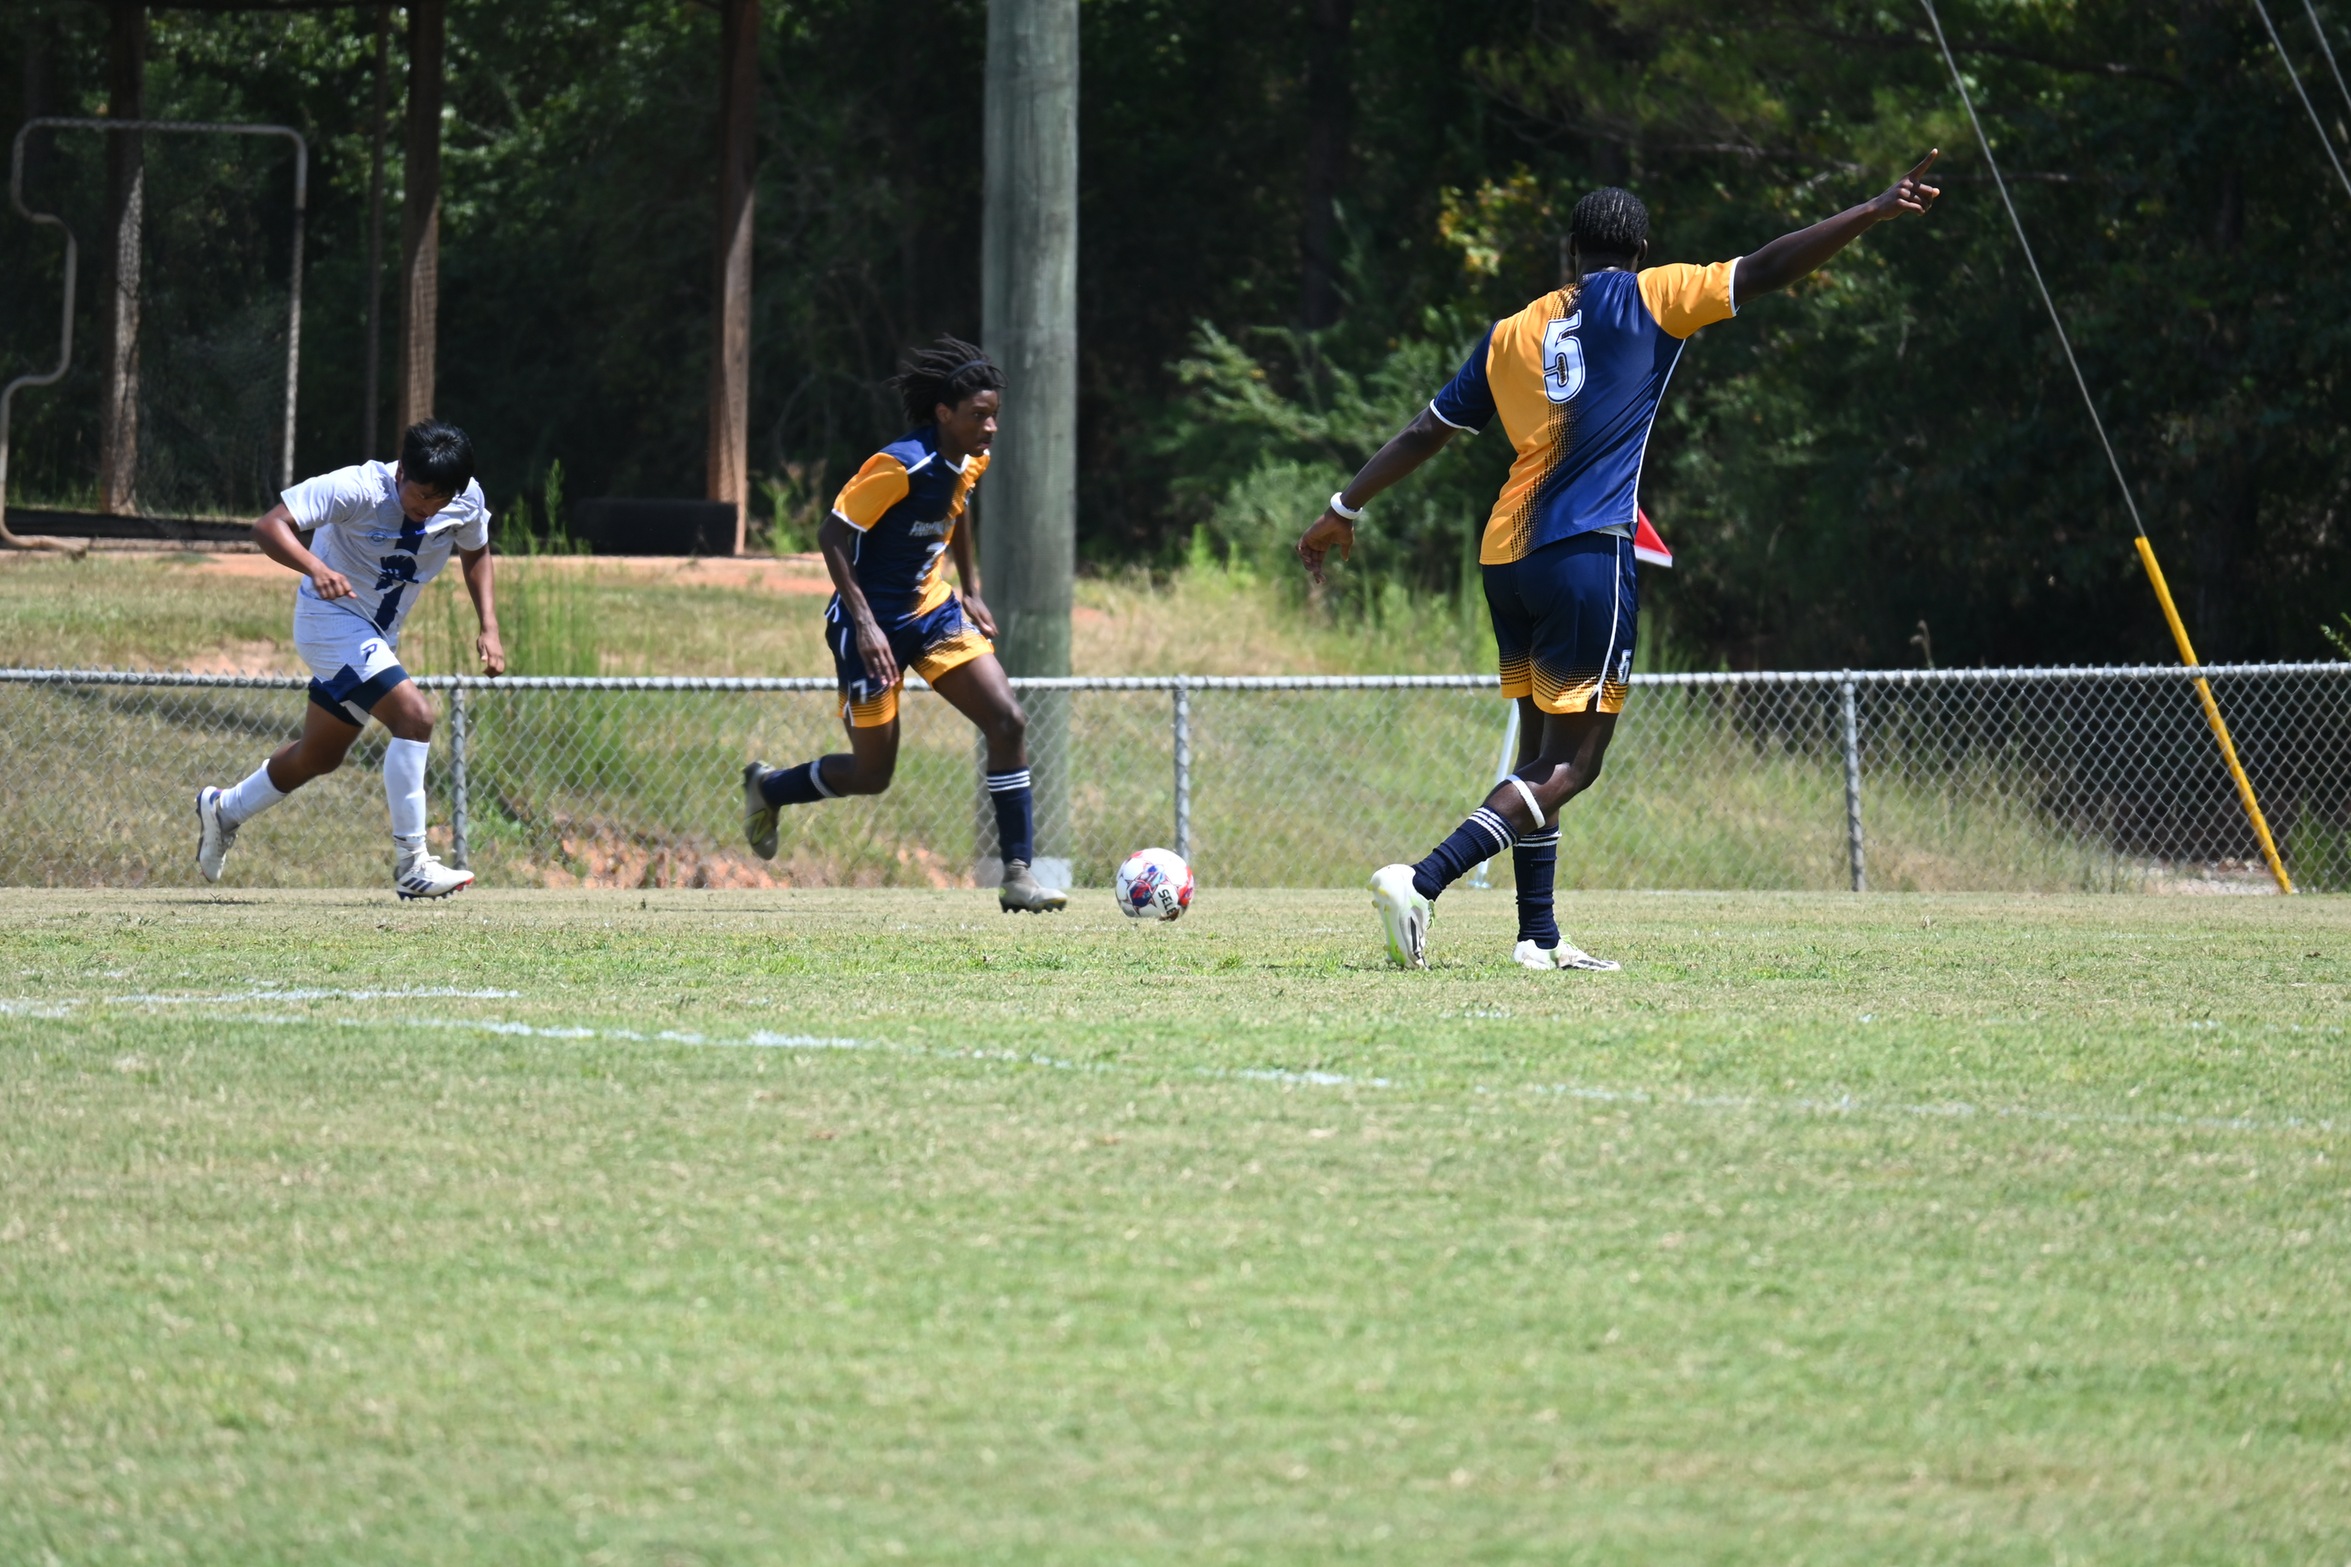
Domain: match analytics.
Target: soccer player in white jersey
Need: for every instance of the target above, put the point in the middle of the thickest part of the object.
(379, 533)
(1576, 379)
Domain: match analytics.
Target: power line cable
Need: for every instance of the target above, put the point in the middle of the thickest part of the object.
(2130, 502)
(2146, 546)
(2316, 124)
(2319, 28)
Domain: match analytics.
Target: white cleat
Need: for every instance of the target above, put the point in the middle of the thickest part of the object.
(1022, 893)
(759, 817)
(426, 877)
(1566, 955)
(214, 837)
(1404, 915)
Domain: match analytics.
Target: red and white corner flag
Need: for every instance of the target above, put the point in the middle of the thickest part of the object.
(1648, 548)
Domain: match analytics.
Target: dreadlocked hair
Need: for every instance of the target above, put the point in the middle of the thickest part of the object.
(1609, 222)
(948, 371)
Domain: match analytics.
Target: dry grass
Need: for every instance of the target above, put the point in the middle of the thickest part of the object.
(232, 614)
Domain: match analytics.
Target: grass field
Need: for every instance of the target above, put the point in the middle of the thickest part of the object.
(844, 1227)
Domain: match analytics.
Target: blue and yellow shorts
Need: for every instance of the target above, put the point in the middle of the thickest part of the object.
(929, 644)
(1564, 617)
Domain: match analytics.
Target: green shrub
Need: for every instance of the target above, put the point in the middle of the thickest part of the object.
(1265, 438)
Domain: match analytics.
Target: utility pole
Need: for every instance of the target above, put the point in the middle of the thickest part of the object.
(1029, 325)
(420, 212)
(126, 221)
(730, 347)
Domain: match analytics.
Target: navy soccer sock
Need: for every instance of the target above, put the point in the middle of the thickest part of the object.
(1480, 837)
(802, 785)
(1015, 804)
(1534, 860)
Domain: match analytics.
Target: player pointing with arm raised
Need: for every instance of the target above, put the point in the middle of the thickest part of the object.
(1577, 377)
(379, 533)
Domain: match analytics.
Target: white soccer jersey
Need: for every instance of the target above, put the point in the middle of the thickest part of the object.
(362, 533)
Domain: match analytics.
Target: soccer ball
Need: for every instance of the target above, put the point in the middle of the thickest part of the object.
(1154, 884)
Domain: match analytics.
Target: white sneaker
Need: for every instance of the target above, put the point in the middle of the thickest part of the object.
(1566, 955)
(426, 877)
(1404, 915)
(759, 817)
(214, 837)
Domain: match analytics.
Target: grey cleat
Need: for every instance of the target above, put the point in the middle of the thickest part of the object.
(214, 837)
(759, 817)
(1021, 894)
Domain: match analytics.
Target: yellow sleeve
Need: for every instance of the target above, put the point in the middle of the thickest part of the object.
(876, 487)
(1682, 298)
(973, 466)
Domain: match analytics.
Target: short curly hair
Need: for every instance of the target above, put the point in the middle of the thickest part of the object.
(1609, 222)
(948, 371)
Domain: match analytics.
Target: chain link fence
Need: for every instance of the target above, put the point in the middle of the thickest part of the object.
(2024, 779)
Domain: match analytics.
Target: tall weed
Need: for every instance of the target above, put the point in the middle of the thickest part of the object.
(797, 500)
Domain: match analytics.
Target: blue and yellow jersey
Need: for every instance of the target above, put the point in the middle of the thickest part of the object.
(903, 506)
(1577, 377)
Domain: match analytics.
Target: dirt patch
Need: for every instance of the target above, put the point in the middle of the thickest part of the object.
(792, 574)
(2215, 878)
(609, 860)
(258, 657)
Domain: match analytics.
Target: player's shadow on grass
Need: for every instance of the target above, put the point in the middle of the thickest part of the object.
(203, 714)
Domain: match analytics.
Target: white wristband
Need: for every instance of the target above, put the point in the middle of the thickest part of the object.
(1341, 509)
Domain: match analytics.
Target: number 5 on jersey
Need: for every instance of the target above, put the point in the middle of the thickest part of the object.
(1563, 359)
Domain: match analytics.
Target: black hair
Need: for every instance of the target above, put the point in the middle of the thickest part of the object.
(948, 371)
(1609, 222)
(438, 456)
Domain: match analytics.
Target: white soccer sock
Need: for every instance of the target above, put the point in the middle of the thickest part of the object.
(404, 789)
(240, 803)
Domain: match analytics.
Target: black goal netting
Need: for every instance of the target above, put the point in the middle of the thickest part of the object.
(182, 411)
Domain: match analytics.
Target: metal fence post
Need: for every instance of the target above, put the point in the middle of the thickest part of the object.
(1845, 691)
(1183, 767)
(458, 802)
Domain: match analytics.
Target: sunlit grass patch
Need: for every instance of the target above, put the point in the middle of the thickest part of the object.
(830, 1226)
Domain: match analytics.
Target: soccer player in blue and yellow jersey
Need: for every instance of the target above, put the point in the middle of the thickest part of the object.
(1576, 377)
(886, 543)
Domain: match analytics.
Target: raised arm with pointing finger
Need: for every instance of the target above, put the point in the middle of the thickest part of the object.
(1785, 260)
(1576, 379)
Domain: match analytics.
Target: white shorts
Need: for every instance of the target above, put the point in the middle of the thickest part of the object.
(352, 664)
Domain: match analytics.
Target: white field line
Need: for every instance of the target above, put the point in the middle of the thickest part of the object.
(63, 1005)
(277, 993)
(1747, 1104)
